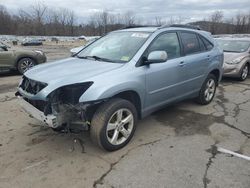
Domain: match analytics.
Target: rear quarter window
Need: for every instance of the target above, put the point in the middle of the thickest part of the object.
(208, 44)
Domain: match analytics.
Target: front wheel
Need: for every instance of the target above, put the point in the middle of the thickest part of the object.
(25, 64)
(208, 90)
(244, 72)
(113, 124)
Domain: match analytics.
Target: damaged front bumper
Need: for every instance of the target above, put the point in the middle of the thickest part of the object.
(49, 120)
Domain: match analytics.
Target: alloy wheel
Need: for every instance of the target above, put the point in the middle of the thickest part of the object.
(120, 126)
(244, 72)
(26, 64)
(210, 90)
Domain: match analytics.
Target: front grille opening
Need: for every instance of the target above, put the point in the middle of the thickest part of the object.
(43, 106)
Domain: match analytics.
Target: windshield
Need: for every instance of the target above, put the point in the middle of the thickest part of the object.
(233, 45)
(117, 47)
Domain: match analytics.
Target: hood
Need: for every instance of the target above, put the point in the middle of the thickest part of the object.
(229, 56)
(69, 71)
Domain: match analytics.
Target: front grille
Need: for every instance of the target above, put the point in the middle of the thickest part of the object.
(31, 86)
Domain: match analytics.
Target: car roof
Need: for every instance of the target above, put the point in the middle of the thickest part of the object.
(141, 29)
(153, 29)
(234, 38)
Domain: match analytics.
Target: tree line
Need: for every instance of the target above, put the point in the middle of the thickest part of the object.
(40, 19)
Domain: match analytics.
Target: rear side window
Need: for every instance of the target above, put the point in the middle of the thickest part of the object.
(202, 45)
(207, 44)
(167, 42)
(190, 43)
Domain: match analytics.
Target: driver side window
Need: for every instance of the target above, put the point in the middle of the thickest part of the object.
(167, 42)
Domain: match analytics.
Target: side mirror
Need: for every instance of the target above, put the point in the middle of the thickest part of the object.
(157, 57)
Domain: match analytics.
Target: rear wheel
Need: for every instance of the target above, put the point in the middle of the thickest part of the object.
(113, 124)
(208, 90)
(25, 64)
(244, 73)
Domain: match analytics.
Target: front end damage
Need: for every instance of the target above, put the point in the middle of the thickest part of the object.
(61, 108)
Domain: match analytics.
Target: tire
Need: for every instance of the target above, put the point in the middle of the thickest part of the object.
(244, 73)
(208, 90)
(24, 64)
(112, 115)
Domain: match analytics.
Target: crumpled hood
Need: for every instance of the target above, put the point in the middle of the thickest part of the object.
(228, 56)
(69, 71)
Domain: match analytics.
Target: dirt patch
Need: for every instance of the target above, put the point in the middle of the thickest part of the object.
(185, 122)
(35, 141)
(8, 88)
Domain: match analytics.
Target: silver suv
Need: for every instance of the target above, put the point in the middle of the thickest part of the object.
(123, 76)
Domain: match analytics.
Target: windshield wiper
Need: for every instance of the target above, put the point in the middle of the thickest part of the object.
(97, 58)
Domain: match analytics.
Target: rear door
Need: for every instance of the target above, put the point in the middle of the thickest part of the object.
(196, 61)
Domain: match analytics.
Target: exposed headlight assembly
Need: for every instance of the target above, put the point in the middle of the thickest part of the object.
(70, 94)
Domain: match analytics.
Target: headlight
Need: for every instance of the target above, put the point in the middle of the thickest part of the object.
(235, 61)
(70, 94)
(39, 52)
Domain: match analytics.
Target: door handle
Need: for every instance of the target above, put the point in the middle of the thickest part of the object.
(181, 64)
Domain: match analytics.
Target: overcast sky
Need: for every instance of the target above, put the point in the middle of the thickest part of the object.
(191, 10)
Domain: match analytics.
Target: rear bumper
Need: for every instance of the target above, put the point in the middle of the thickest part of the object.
(49, 120)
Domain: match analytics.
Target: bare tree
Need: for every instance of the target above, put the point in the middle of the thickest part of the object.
(129, 18)
(38, 13)
(158, 21)
(216, 18)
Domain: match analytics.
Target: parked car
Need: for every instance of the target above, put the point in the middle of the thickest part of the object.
(236, 57)
(20, 60)
(32, 42)
(78, 49)
(124, 76)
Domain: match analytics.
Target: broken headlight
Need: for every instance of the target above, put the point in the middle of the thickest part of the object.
(70, 94)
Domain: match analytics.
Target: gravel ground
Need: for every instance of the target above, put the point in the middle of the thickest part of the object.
(174, 148)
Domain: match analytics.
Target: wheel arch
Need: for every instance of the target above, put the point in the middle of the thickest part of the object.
(133, 97)
(217, 74)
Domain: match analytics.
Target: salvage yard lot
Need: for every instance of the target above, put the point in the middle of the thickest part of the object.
(174, 147)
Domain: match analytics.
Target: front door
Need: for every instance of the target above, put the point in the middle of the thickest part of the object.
(164, 80)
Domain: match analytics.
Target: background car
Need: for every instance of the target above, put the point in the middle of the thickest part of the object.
(32, 42)
(20, 60)
(236, 57)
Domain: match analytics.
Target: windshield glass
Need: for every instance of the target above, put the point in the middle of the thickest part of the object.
(119, 47)
(233, 45)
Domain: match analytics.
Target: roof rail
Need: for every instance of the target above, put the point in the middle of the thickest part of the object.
(188, 26)
(135, 26)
